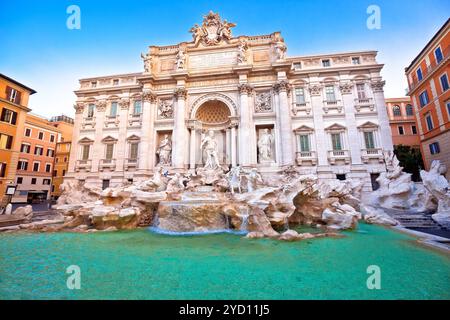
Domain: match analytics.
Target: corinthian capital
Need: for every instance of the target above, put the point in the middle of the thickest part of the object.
(245, 88)
(124, 103)
(149, 96)
(101, 105)
(346, 87)
(282, 85)
(377, 85)
(180, 93)
(79, 107)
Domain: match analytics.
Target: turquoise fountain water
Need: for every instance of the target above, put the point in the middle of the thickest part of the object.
(144, 265)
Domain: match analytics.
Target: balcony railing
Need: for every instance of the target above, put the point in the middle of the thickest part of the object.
(301, 107)
(83, 165)
(131, 164)
(107, 164)
(341, 155)
(372, 153)
(363, 101)
(306, 156)
(112, 121)
(429, 70)
(135, 120)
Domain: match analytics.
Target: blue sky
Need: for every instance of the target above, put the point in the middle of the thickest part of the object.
(37, 49)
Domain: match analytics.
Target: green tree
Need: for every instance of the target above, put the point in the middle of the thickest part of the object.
(410, 159)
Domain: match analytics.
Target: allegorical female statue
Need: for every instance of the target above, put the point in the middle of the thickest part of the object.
(209, 144)
(165, 151)
(265, 146)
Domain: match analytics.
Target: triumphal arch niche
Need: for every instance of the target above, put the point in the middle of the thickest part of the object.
(221, 100)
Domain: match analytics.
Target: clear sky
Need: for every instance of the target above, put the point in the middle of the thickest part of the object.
(37, 49)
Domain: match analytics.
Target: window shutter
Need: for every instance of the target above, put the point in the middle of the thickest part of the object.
(2, 117)
(9, 142)
(14, 118)
(3, 170)
(8, 92)
(18, 97)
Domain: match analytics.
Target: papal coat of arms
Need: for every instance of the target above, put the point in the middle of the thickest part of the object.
(212, 31)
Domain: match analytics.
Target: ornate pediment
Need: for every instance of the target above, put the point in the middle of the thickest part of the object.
(109, 139)
(212, 31)
(368, 126)
(336, 128)
(85, 140)
(133, 138)
(304, 129)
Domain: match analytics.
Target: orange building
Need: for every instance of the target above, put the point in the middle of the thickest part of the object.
(61, 160)
(13, 111)
(428, 79)
(35, 165)
(403, 122)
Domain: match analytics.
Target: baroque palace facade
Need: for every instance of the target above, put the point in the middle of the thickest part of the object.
(324, 114)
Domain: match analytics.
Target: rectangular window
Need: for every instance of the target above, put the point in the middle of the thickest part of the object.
(137, 107)
(94, 84)
(27, 132)
(356, 60)
(55, 173)
(369, 140)
(8, 116)
(423, 97)
(134, 151)
(105, 184)
(429, 121)
(33, 180)
(22, 165)
(341, 177)
(19, 180)
(2, 169)
(5, 141)
(326, 63)
(360, 88)
(39, 151)
(25, 148)
(434, 148)
(299, 95)
(401, 131)
(109, 151)
(50, 153)
(48, 167)
(115, 82)
(85, 155)
(414, 129)
(52, 138)
(444, 82)
(36, 166)
(113, 110)
(41, 135)
(336, 141)
(448, 108)
(329, 91)
(304, 143)
(13, 95)
(91, 109)
(64, 173)
(297, 66)
(438, 55)
(419, 74)
(46, 182)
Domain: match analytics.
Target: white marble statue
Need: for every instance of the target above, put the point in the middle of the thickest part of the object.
(234, 179)
(180, 60)
(265, 146)
(209, 144)
(280, 50)
(253, 180)
(147, 58)
(165, 151)
(242, 52)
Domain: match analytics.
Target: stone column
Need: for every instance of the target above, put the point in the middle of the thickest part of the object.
(287, 146)
(98, 150)
(146, 146)
(244, 126)
(179, 130)
(354, 144)
(192, 146)
(380, 105)
(315, 90)
(233, 144)
(121, 146)
(74, 149)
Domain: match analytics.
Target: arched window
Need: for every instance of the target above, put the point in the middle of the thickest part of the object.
(409, 110)
(396, 110)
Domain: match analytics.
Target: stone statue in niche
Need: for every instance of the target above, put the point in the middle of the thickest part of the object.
(165, 110)
(210, 146)
(242, 52)
(164, 151)
(180, 60)
(263, 103)
(265, 146)
(280, 49)
(147, 58)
